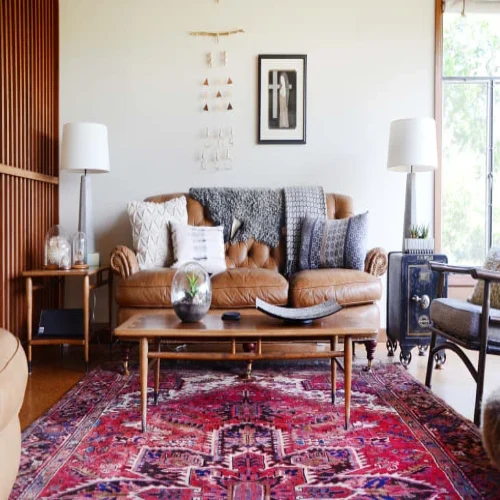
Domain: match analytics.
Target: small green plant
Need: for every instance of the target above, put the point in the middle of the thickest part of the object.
(419, 231)
(193, 284)
(413, 231)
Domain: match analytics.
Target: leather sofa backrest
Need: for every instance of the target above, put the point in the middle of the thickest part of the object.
(252, 253)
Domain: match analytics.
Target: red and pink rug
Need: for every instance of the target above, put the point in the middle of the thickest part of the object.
(216, 436)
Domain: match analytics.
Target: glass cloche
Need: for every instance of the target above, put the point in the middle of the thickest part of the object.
(80, 251)
(57, 253)
(191, 292)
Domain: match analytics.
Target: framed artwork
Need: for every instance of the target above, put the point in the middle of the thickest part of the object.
(282, 99)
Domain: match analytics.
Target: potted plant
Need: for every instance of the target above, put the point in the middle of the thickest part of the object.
(191, 292)
(419, 240)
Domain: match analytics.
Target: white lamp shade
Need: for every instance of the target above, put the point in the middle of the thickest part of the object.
(85, 148)
(413, 145)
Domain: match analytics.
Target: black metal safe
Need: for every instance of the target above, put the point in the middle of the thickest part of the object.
(411, 286)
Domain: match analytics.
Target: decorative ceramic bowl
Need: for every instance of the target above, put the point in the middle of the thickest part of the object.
(191, 292)
(304, 315)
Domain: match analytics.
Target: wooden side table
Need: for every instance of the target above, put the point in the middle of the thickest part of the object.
(92, 279)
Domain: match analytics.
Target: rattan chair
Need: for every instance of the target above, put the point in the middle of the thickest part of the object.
(464, 326)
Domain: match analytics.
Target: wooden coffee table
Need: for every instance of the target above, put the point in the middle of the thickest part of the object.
(253, 327)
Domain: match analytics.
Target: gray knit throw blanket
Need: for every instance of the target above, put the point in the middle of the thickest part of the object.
(259, 211)
(300, 202)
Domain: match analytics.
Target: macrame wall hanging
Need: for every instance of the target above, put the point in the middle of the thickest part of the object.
(217, 105)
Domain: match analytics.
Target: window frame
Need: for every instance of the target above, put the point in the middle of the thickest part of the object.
(439, 79)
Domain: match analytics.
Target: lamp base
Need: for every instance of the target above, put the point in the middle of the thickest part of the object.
(85, 223)
(410, 207)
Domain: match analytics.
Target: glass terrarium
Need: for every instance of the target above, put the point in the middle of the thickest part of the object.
(57, 253)
(80, 251)
(191, 292)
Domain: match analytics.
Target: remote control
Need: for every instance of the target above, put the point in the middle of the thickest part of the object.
(231, 316)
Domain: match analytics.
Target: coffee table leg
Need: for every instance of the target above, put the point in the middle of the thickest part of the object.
(333, 347)
(249, 347)
(347, 379)
(143, 355)
(157, 372)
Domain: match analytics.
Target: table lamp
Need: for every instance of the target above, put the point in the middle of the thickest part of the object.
(412, 149)
(85, 150)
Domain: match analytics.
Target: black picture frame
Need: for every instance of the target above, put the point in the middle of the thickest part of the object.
(282, 83)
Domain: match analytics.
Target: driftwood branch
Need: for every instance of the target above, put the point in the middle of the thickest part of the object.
(216, 34)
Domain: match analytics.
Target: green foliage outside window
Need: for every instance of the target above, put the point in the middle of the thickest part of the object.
(471, 49)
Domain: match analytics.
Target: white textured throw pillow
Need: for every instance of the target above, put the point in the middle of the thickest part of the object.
(204, 245)
(149, 223)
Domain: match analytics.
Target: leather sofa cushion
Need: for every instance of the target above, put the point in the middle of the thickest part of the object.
(238, 288)
(148, 288)
(347, 286)
(230, 289)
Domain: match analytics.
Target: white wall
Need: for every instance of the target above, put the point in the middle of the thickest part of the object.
(131, 65)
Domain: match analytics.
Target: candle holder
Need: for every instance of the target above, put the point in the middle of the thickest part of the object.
(80, 246)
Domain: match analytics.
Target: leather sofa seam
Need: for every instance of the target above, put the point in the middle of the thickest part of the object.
(328, 286)
(247, 287)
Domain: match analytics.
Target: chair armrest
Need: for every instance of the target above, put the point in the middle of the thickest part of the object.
(376, 262)
(123, 261)
(446, 268)
(486, 275)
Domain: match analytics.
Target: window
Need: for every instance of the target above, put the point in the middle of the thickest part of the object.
(470, 194)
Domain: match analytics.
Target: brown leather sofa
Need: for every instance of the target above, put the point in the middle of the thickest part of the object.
(253, 270)
(13, 379)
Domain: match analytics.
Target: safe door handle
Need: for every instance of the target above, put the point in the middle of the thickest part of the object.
(424, 301)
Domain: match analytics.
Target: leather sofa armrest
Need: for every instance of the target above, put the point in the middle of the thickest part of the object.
(376, 262)
(123, 261)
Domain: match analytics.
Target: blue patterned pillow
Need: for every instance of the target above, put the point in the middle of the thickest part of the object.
(334, 243)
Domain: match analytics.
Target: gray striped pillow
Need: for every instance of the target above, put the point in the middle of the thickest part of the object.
(334, 243)
(201, 244)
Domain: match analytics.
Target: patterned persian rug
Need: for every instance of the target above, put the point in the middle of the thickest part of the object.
(216, 436)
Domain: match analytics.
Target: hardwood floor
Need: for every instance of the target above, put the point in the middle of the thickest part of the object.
(56, 370)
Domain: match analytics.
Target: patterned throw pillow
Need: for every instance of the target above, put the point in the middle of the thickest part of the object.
(149, 223)
(204, 245)
(492, 264)
(334, 243)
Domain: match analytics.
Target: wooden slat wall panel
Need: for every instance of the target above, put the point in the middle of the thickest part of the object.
(29, 76)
